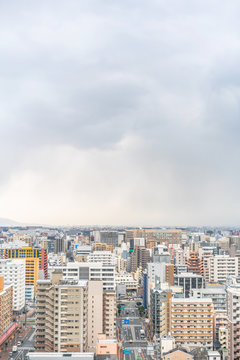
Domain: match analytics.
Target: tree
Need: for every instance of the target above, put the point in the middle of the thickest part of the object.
(119, 309)
(141, 310)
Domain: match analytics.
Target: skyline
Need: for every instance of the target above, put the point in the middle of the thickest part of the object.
(120, 113)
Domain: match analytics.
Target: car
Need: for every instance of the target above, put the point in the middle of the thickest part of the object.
(19, 343)
(130, 341)
(10, 354)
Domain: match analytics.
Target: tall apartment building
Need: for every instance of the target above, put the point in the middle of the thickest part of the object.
(140, 257)
(28, 252)
(109, 314)
(194, 263)
(160, 312)
(218, 295)
(89, 271)
(6, 305)
(13, 271)
(189, 282)
(192, 322)
(233, 316)
(220, 267)
(169, 274)
(71, 313)
(61, 315)
(95, 312)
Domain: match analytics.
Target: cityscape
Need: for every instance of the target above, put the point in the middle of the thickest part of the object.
(119, 180)
(119, 293)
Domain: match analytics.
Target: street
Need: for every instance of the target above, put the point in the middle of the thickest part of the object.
(131, 331)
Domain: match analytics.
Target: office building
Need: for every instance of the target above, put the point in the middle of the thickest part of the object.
(109, 237)
(188, 281)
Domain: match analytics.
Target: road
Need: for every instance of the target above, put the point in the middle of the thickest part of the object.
(130, 324)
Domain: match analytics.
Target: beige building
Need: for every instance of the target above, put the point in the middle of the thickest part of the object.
(109, 314)
(178, 354)
(95, 312)
(61, 315)
(71, 313)
(6, 306)
(192, 322)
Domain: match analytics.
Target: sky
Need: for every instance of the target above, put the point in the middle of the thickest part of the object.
(120, 112)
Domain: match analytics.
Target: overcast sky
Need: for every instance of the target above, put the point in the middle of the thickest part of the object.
(120, 112)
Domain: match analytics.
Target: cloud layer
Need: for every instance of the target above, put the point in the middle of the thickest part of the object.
(120, 112)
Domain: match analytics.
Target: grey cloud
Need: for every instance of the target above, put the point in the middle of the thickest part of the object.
(89, 75)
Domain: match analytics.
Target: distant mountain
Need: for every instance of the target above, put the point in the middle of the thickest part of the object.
(8, 222)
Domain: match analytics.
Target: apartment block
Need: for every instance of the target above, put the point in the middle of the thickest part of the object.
(194, 263)
(13, 271)
(28, 252)
(160, 312)
(192, 322)
(61, 315)
(104, 257)
(71, 313)
(95, 312)
(88, 271)
(220, 267)
(233, 314)
(109, 314)
(140, 257)
(6, 306)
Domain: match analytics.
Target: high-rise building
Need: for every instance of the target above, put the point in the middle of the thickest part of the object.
(71, 313)
(109, 237)
(160, 310)
(233, 316)
(6, 306)
(109, 314)
(221, 267)
(95, 312)
(192, 322)
(89, 271)
(28, 252)
(32, 275)
(13, 271)
(140, 257)
(61, 315)
(194, 263)
(188, 281)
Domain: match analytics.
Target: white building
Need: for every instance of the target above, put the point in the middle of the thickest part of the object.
(88, 271)
(104, 257)
(220, 267)
(13, 271)
(127, 280)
